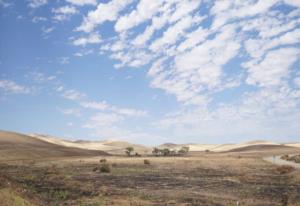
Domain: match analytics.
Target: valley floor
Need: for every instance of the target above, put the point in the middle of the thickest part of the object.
(197, 179)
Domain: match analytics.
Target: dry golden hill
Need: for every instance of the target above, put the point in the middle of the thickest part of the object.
(15, 146)
(109, 146)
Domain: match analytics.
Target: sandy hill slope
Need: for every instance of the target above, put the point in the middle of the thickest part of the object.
(296, 144)
(18, 146)
(221, 147)
(109, 146)
(260, 147)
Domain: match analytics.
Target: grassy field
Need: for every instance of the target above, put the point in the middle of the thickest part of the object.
(197, 179)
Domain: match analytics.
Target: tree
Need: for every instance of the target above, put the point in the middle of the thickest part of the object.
(129, 150)
(166, 152)
(184, 150)
(155, 151)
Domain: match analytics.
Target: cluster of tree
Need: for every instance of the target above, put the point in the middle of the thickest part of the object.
(159, 152)
(130, 152)
(168, 152)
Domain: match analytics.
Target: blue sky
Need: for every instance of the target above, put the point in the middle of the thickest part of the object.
(151, 71)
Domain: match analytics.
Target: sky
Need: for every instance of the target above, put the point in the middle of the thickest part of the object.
(151, 71)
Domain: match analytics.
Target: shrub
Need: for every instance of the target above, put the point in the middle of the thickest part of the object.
(295, 159)
(61, 194)
(284, 157)
(285, 169)
(103, 161)
(105, 168)
(146, 162)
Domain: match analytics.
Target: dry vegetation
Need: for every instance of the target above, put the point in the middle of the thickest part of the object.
(201, 179)
(35, 172)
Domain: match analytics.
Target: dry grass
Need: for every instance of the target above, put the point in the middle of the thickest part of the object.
(285, 169)
(202, 179)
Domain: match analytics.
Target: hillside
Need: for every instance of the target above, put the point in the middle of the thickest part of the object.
(109, 146)
(18, 146)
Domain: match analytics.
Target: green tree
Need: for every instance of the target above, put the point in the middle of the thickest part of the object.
(129, 150)
(155, 151)
(166, 152)
(184, 150)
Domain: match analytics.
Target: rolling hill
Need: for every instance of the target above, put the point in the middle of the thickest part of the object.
(109, 146)
(15, 146)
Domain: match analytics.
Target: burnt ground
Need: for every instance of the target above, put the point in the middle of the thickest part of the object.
(206, 180)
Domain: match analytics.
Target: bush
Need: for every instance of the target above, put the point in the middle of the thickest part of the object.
(105, 168)
(284, 157)
(146, 162)
(103, 160)
(285, 169)
(295, 159)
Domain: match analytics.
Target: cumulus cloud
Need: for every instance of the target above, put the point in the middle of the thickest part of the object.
(37, 3)
(64, 13)
(104, 12)
(273, 68)
(103, 106)
(72, 94)
(144, 11)
(11, 87)
(245, 48)
(5, 3)
(82, 2)
(92, 38)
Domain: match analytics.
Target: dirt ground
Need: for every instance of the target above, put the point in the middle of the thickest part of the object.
(197, 179)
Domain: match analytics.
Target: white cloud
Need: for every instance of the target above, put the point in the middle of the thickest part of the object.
(64, 60)
(95, 105)
(70, 124)
(258, 47)
(64, 13)
(297, 80)
(144, 11)
(5, 3)
(82, 2)
(47, 30)
(103, 13)
(171, 35)
(92, 38)
(273, 68)
(192, 39)
(40, 77)
(295, 3)
(71, 111)
(72, 94)
(102, 120)
(37, 3)
(11, 87)
(37, 19)
(200, 60)
(103, 106)
(83, 53)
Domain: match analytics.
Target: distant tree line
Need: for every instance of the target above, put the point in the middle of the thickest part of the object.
(159, 152)
(167, 152)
